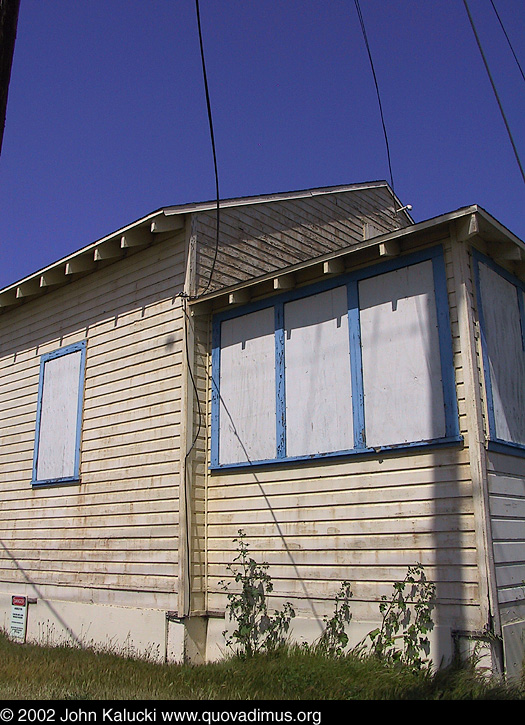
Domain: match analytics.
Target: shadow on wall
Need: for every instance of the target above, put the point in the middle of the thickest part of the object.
(74, 638)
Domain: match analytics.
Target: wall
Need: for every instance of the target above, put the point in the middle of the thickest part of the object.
(111, 539)
(259, 238)
(507, 508)
(365, 519)
(501, 359)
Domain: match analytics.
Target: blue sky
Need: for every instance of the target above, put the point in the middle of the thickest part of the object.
(106, 117)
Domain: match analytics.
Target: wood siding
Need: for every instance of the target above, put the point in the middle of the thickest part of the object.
(260, 238)
(197, 585)
(505, 487)
(113, 537)
(365, 519)
(507, 510)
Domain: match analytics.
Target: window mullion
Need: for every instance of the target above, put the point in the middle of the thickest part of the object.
(356, 365)
(445, 346)
(521, 306)
(280, 385)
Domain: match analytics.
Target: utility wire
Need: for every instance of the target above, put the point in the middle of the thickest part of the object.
(184, 299)
(494, 89)
(363, 29)
(208, 105)
(508, 40)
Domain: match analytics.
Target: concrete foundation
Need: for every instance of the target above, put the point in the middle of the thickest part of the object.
(159, 636)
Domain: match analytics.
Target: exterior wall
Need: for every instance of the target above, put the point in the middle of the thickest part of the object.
(260, 238)
(111, 539)
(363, 519)
(506, 476)
(506, 489)
(500, 370)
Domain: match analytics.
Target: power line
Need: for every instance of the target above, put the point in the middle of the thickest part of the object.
(363, 29)
(508, 40)
(494, 89)
(208, 105)
(184, 297)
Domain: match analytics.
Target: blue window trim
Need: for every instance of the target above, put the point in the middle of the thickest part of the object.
(75, 347)
(351, 280)
(494, 443)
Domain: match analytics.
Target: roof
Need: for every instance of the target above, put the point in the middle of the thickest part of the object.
(143, 231)
(279, 196)
(470, 222)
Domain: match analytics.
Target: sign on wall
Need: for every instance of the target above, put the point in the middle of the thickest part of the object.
(18, 618)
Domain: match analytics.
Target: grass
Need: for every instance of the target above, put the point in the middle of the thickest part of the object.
(29, 672)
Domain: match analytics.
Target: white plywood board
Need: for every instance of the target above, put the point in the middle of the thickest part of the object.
(402, 383)
(58, 417)
(317, 381)
(247, 385)
(504, 354)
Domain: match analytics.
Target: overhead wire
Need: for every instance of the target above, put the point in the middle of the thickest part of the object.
(184, 300)
(508, 39)
(212, 138)
(500, 105)
(365, 37)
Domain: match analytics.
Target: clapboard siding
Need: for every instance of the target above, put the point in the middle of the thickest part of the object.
(456, 340)
(506, 482)
(261, 238)
(88, 298)
(360, 511)
(365, 519)
(117, 530)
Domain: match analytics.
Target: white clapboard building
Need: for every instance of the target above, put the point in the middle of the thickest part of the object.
(344, 385)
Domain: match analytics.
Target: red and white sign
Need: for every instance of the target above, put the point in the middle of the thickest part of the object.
(18, 618)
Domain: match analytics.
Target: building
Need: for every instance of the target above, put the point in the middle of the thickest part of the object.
(342, 384)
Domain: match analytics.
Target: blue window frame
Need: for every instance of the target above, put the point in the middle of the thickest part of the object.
(260, 362)
(59, 416)
(501, 313)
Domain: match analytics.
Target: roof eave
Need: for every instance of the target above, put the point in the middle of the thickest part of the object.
(141, 233)
(112, 247)
(469, 222)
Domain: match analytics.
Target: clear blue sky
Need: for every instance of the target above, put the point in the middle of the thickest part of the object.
(106, 117)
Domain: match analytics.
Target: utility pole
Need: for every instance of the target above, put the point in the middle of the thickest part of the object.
(8, 22)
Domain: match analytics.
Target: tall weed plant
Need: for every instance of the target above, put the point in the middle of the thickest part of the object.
(402, 637)
(406, 622)
(255, 630)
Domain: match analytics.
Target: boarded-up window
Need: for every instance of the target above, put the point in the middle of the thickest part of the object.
(504, 356)
(247, 388)
(57, 440)
(352, 365)
(402, 383)
(318, 384)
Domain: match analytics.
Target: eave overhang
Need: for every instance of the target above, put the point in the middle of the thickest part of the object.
(143, 233)
(468, 223)
(115, 246)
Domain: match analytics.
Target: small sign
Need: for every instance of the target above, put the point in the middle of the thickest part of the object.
(18, 618)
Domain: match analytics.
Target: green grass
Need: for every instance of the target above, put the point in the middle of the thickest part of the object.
(28, 672)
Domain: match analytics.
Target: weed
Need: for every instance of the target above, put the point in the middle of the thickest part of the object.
(334, 639)
(256, 630)
(403, 635)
